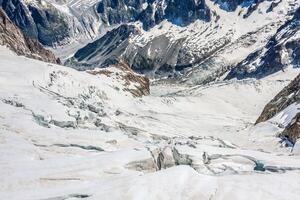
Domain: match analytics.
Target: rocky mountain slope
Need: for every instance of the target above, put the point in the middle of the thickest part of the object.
(283, 110)
(12, 37)
(281, 51)
(108, 49)
(51, 23)
(153, 12)
(194, 42)
(200, 50)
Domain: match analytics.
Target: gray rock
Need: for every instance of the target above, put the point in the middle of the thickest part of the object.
(12, 37)
(272, 60)
(43, 23)
(105, 51)
(178, 12)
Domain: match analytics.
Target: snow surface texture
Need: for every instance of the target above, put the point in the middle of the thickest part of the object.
(66, 134)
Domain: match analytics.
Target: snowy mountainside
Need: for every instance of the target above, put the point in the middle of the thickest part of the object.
(280, 52)
(109, 48)
(52, 23)
(194, 42)
(201, 51)
(68, 134)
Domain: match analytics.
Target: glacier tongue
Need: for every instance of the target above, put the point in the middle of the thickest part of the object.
(110, 133)
(66, 134)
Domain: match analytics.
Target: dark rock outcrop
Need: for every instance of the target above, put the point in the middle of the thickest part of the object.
(142, 83)
(52, 26)
(292, 131)
(159, 54)
(38, 20)
(152, 12)
(232, 5)
(18, 12)
(273, 5)
(12, 37)
(120, 11)
(104, 51)
(253, 5)
(289, 95)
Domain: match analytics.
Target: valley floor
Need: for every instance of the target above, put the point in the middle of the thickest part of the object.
(68, 135)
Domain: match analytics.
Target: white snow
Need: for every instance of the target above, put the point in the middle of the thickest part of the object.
(42, 160)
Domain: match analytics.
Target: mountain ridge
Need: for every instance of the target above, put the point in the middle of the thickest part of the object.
(12, 37)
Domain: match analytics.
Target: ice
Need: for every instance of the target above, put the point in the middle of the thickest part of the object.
(180, 142)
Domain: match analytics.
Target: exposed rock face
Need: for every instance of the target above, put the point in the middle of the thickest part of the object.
(52, 25)
(281, 50)
(273, 5)
(159, 54)
(120, 11)
(104, 51)
(11, 36)
(289, 95)
(232, 5)
(152, 12)
(292, 131)
(18, 12)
